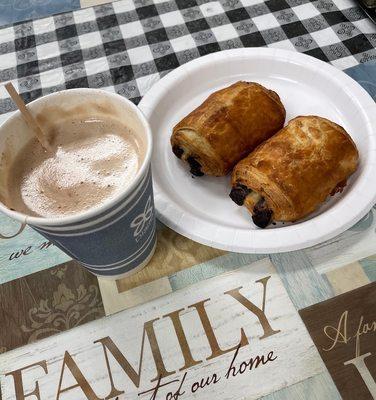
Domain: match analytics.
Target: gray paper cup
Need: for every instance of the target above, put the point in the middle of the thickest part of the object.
(112, 240)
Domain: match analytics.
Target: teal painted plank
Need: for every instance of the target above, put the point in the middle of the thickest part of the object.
(12, 11)
(301, 280)
(319, 387)
(26, 253)
(303, 283)
(209, 269)
(369, 267)
(365, 75)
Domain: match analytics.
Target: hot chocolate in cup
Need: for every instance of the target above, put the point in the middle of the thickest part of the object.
(108, 228)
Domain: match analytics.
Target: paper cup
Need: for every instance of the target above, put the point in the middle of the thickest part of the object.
(116, 238)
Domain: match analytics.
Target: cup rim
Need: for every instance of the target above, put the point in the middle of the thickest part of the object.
(91, 212)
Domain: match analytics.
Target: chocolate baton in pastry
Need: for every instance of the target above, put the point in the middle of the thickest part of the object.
(226, 127)
(291, 174)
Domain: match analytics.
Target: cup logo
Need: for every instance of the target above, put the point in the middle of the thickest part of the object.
(139, 222)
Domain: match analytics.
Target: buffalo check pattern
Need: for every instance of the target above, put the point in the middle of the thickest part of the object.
(126, 46)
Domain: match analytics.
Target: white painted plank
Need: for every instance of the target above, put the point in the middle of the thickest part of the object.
(297, 358)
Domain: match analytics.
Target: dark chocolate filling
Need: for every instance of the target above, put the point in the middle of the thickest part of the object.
(262, 216)
(239, 193)
(195, 166)
(178, 151)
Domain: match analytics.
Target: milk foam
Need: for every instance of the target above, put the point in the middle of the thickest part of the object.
(93, 161)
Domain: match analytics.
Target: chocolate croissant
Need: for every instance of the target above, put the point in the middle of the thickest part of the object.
(291, 174)
(226, 127)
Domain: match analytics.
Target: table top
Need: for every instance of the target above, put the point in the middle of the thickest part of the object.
(51, 307)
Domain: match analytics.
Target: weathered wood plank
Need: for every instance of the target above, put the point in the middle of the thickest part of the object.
(319, 387)
(281, 338)
(115, 300)
(174, 253)
(303, 283)
(346, 278)
(344, 330)
(46, 303)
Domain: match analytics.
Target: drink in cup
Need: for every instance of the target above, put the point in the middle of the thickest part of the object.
(91, 193)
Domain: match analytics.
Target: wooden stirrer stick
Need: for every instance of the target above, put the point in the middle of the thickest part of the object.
(30, 120)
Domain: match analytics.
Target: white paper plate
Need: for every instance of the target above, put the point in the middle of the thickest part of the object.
(200, 208)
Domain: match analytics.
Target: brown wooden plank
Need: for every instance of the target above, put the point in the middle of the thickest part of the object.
(343, 329)
(47, 302)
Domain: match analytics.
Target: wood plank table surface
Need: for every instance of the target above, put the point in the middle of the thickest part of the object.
(203, 314)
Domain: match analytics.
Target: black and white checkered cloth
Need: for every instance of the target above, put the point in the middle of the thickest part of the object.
(126, 46)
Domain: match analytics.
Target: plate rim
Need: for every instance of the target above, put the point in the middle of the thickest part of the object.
(174, 218)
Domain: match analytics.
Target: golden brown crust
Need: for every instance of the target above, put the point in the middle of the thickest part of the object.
(299, 167)
(227, 126)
